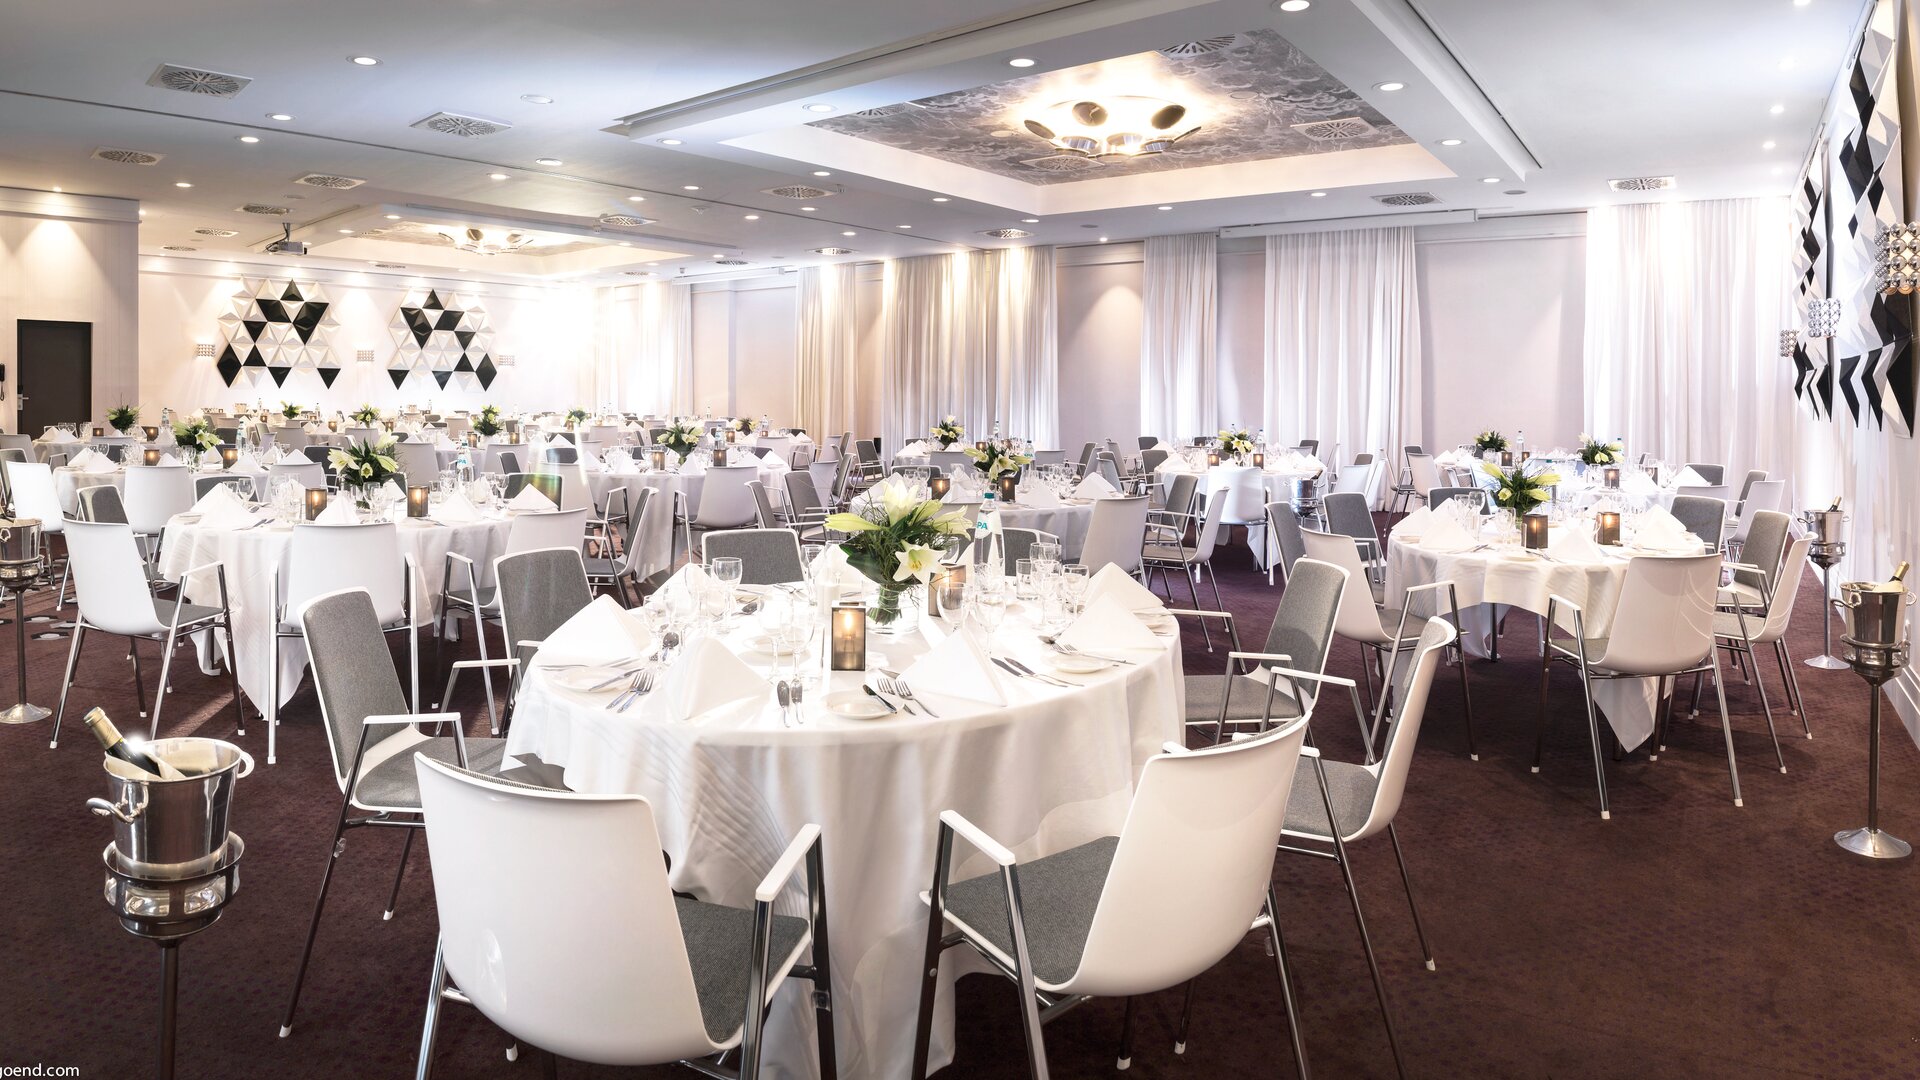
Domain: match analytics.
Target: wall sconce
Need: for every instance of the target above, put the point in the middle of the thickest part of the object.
(364, 356)
(1896, 259)
(1823, 318)
(848, 647)
(203, 350)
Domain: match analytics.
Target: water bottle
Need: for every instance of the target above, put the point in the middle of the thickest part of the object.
(983, 527)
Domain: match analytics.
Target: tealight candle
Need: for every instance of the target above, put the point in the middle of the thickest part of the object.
(229, 455)
(1506, 459)
(99, 431)
(1533, 532)
(333, 425)
(732, 435)
(848, 648)
(720, 458)
(1525, 456)
(946, 591)
(660, 460)
(1610, 476)
(316, 502)
(1009, 485)
(1213, 457)
(513, 437)
(150, 456)
(1607, 528)
(417, 502)
(1259, 460)
(938, 486)
(152, 433)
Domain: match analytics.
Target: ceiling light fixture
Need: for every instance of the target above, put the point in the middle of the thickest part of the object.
(1768, 145)
(670, 142)
(753, 217)
(1451, 142)
(821, 172)
(181, 184)
(903, 226)
(248, 139)
(1029, 221)
(1390, 87)
(364, 61)
(1103, 239)
(280, 116)
(808, 209)
(1292, 6)
(1489, 179)
(1801, 3)
(820, 106)
(1317, 194)
(476, 241)
(393, 217)
(849, 232)
(536, 99)
(1777, 109)
(497, 176)
(1021, 62)
(549, 162)
(941, 198)
(346, 232)
(1126, 126)
(1166, 207)
(689, 187)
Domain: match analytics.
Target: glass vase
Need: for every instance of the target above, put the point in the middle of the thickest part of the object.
(896, 610)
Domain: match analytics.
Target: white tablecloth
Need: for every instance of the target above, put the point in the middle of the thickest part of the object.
(1068, 522)
(67, 482)
(251, 556)
(1054, 770)
(656, 544)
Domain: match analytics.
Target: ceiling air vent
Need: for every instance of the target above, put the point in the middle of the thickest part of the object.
(265, 210)
(1642, 183)
(833, 251)
(1062, 163)
(216, 232)
(729, 262)
(179, 247)
(328, 180)
(881, 110)
(797, 191)
(196, 81)
(391, 266)
(1407, 198)
(1198, 48)
(624, 220)
(1006, 234)
(637, 273)
(126, 157)
(467, 127)
(1348, 127)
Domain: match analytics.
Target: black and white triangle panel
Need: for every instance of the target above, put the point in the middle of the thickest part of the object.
(275, 328)
(442, 338)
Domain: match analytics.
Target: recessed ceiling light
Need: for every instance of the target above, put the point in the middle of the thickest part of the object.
(670, 142)
(1029, 221)
(536, 99)
(280, 116)
(941, 198)
(345, 232)
(1801, 3)
(181, 183)
(549, 162)
(393, 217)
(1768, 145)
(1489, 179)
(1020, 61)
(1389, 87)
(689, 187)
(497, 176)
(1318, 194)
(719, 254)
(1103, 239)
(821, 172)
(903, 226)
(1450, 142)
(849, 232)
(1294, 5)
(56, 191)
(753, 217)
(809, 209)
(249, 139)
(364, 61)
(1777, 109)
(1166, 207)
(819, 106)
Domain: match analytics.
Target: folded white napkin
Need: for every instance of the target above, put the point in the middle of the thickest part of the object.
(1687, 477)
(79, 460)
(1573, 542)
(1111, 582)
(220, 508)
(1161, 444)
(1094, 486)
(1107, 624)
(392, 487)
(1661, 531)
(959, 667)
(530, 498)
(1445, 535)
(600, 633)
(457, 509)
(100, 463)
(1415, 523)
(705, 678)
(917, 448)
(169, 459)
(831, 565)
(1633, 483)
(1175, 463)
(246, 460)
(589, 463)
(1038, 496)
(340, 511)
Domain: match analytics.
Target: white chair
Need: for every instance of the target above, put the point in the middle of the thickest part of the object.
(726, 502)
(324, 559)
(419, 460)
(575, 494)
(30, 484)
(594, 958)
(363, 435)
(1167, 550)
(308, 474)
(1662, 626)
(629, 567)
(1741, 628)
(112, 594)
(826, 479)
(1301, 631)
(154, 493)
(1762, 495)
(1124, 915)
(1115, 534)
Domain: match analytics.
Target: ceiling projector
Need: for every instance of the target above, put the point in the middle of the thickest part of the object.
(286, 245)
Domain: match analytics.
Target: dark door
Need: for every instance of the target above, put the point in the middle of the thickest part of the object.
(55, 374)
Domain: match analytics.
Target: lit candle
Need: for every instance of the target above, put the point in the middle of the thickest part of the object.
(720, 458)
(1533, 532)
(151, 432)
(1506, 459)
(416, 502)
(1607, 529)
(1213, 457)
(513, 437)
(731, 434)
(660, 460)
(1009, 486)
(316, 502)
(150, 456)
(333, 425)
(99, 431)
(228, 456)
(1525, 456)
(938, 486)
(1259, 459)
(1610, 476)
(947, 591)
(849, 633)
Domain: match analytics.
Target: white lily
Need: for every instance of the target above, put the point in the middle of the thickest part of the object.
(917, 561)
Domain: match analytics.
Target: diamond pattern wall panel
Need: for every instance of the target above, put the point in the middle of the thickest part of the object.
(274, 328)
(443, 338)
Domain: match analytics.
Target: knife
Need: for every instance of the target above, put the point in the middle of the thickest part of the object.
(882, 698)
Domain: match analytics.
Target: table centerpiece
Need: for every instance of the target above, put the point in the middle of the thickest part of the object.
(895, 539)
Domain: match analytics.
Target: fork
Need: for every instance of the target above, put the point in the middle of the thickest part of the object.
(1061, 647)
(892, 683)
(1025, 672)
(642, 684)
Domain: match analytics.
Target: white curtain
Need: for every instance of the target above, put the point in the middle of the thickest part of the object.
(971, 334)
(1178, 331)
(1343, 341)
(827, 353)
(1684, 307)
(643, 352)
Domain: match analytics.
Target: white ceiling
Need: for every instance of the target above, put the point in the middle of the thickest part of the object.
(1549, 98)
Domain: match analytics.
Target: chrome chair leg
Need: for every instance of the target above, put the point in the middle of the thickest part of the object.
(435, 986)
(393, 898)
(1124, 1060)
(1286, 986)
(73, 657)
(1406, 881)
(1186, 1017)
(1360, 920)
(1726, 728)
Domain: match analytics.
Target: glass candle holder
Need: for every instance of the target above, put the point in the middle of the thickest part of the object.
(1008, 486)
(333, 425)
(732, 435)
(1259, 460)
(1610, 476)
(1606, 528)
(150, 456)
(229, 455)
(151, 433)
(99, 431)
(1213, 457)
(847, 649)
(1533, 532)
(1526, 456)
(720, 458)
(316, 502)
(660, 460)
(417, 502)
(938, 485)
(1506, 459)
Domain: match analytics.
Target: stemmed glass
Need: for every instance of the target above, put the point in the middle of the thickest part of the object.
(726, 570)
(1073, 582)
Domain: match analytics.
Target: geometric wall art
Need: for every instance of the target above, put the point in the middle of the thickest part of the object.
(1810, 354)
(274, 329)
(442, 337)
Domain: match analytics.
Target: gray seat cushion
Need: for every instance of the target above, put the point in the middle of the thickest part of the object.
(718, 942)
(1168, 553)
(189, 613)
(1247, 700)
(1058, 895)
(488, 596)
(392, 783)
(1351, 786)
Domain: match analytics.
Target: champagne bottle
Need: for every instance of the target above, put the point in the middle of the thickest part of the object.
(117, 746)
(1835, 506)
(1898, 573)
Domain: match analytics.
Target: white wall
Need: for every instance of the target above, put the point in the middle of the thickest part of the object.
(71, 258)
(745, 347)
(1099, 296)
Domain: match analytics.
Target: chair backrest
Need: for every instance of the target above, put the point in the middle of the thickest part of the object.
(1049, 457)
(363, 434)
(1180, 493)
(1211, 815)
(509, 461)
(546, 529)
(725, 500)
(110, 578)
(539, 589)
(945, 460)
(1786, 589)
(353, 673)
(1712, 474)
(155, 493)
(1347, 514)
(1664, 619)
(764, 515)
(101, 502)
(242, 485)
(584, 959)
(1303, 623)
(1017, 544)
(1088, 454)
(1151, 459)
(1209, 535)
(418, 459)
(308, 474)
(317, 453)
(291, 437)
(1284, 520)
(1310, 446)
(549, 484)
(1410, 707)
(1358, 619)
(1115, 533)
(1762, 495)
(842, 482)
(561, 455)
(1109, 469)
(1246, 496)
(1703, 516)
(1357, 478)
(322, 559)
(869, 451)
(1766, 545)
(1436, 496)
(824, 477)
(767, 556)
(1426, 475)
(803, 495)
(1754, 476)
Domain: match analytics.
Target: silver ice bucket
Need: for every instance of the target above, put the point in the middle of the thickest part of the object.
(19, 548)
(173, 828)
(1825, 525)
(1875, 613)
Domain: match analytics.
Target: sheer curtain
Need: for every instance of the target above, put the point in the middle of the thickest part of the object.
(643, 350)
(1343, 340)
(1179, 328)
(970, 334)
(1685, 303)
(827, 351)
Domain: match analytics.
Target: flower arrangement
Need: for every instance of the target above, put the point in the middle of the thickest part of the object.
(576, 415)
(194, 435)
(123, 417)
(365, 416)
(895, 538)
(1236, 444)
(488, 422)
(681, 438)
(1595, 452)
(998, 457)
(290, 411)
(1489, 442)
(740, 424)
(949, 431)
(1517, 489)
(364, 464)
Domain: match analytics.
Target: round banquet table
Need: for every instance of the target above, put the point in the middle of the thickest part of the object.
(1068, 521)
(1277, 485)
(1054, 769)
(252, 556)
(68, 481)
(1506, 575)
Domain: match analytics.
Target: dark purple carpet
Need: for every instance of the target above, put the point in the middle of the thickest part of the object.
(1684, 937)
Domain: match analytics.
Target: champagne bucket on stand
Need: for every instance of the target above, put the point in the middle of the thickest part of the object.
(173, 828)
(1826, 551)
(1875, 615)
(20, 549)
(1825, 525)
(1876, 624)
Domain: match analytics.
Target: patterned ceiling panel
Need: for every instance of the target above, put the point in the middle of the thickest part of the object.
(414, 232)
(1247, 96)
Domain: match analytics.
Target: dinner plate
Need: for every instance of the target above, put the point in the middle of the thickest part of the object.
(855, 705)
(585, 680)
(1162, 624)
(1070, 664)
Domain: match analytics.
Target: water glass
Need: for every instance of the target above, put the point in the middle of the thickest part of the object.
(1045, 551)
(989, 609)
(1073, 582)
(726, 570)
(1024, 579)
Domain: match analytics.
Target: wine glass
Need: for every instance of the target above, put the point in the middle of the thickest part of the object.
(1073, 582)
(726, 570)
(989, 609)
